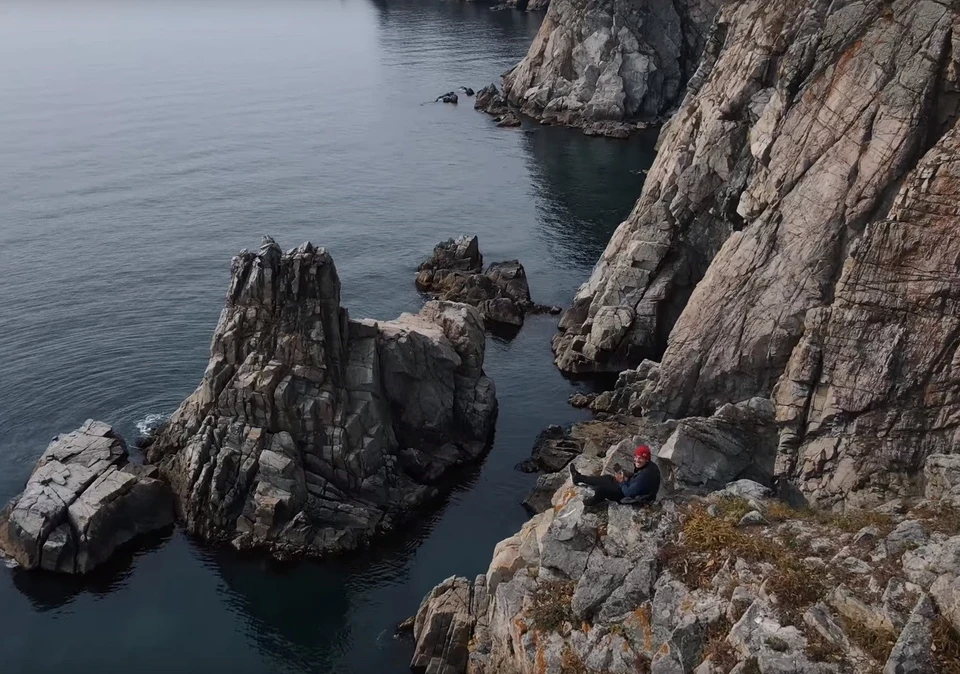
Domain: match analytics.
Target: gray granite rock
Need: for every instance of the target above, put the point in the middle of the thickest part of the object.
(912, 654)
(600, 64)
(80, 504)
(301, 434)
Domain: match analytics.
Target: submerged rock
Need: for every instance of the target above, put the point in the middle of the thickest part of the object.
(81, 503)
(449, 97)
(501, 293)
(311, 432)
(508, 119)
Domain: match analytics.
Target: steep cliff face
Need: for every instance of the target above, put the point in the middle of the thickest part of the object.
(311, 432)
(798, 127)
(610, 60)
(873, 388)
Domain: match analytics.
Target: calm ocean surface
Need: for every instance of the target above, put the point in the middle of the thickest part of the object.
(142, 144)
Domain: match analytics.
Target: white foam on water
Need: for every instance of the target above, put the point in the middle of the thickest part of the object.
(150, 423)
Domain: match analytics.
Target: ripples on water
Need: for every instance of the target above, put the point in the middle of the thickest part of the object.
(141, 146)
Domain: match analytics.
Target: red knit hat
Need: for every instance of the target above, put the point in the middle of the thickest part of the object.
(642, 451)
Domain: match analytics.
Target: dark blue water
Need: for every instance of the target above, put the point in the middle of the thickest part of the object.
(141, 146)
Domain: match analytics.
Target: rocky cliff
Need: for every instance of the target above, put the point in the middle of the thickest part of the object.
(732, 582)
(311, 432)
(602, 63)
(799, 126)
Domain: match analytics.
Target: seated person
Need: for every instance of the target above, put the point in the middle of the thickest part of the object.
(642, 486)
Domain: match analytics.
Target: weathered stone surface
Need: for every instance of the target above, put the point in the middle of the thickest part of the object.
(540, 496)
(553, 449)
(80, 504)
(300, 434)
(738, 442)
(798, 124)
(501, 293)
(508, 119)
(444, 625)
(872, 389)
(912, 654)
(941, 476)
(595, 63)
(490, 101)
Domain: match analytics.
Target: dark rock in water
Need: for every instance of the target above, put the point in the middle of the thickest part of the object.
(502, 293)
(449, 97)
(490, 101)
(609, 129)
(553, 449)
(540, 496)
(82, 502)
(311, 432)
(467, 90)
(509, 119)
(461, 254)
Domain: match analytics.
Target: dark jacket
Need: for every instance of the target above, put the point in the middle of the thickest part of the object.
(644, 484)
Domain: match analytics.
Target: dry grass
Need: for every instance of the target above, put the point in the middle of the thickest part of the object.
(875, 643)
(819, 649)
(850, 521)
(720, 651)
(946, 647)
(551, 605)
(733, 507)
(941, 518)
(708, 541)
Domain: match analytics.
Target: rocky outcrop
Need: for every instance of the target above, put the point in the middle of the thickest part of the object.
(82, 502)
(798, 127)
(501, 293)
(730, 582)
(491, 101)
(604, 65)
(311, 432)
(873, 387)
(738, 442)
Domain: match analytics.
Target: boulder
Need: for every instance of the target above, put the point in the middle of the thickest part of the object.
(449, 97)
(310, 433)
(912, 654)
(82, 503)
(739, 441)
(941, 476)
(508, 119)
(490, 101)
(553, 449)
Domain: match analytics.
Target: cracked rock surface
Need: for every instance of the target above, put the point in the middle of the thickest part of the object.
(795, 134)
(310, 432)
(81, 503)
(602, 64)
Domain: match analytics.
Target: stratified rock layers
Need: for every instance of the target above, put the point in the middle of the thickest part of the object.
(798, 127)
(873, 387)
(610, 61)
(310, 432)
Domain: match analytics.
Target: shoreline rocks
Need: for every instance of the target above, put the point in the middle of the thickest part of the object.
(311, 433)
(725, 582)
(501, 293)
(606, 66)
(82, 502)
(775, 175)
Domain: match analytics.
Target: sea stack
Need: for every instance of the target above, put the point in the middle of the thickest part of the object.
(310, 432)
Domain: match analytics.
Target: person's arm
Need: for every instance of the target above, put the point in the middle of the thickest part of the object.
(638, 485)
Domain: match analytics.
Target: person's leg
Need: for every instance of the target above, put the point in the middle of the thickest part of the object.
(605, 488)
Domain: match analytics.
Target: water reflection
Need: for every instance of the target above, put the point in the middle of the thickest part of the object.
(585, 186)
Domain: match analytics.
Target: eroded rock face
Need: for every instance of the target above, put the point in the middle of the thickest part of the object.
(601, 64)
(310, 432)
(81, 503)
(501, 293)
(800, 122)
(622, 589)
(872, 390)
